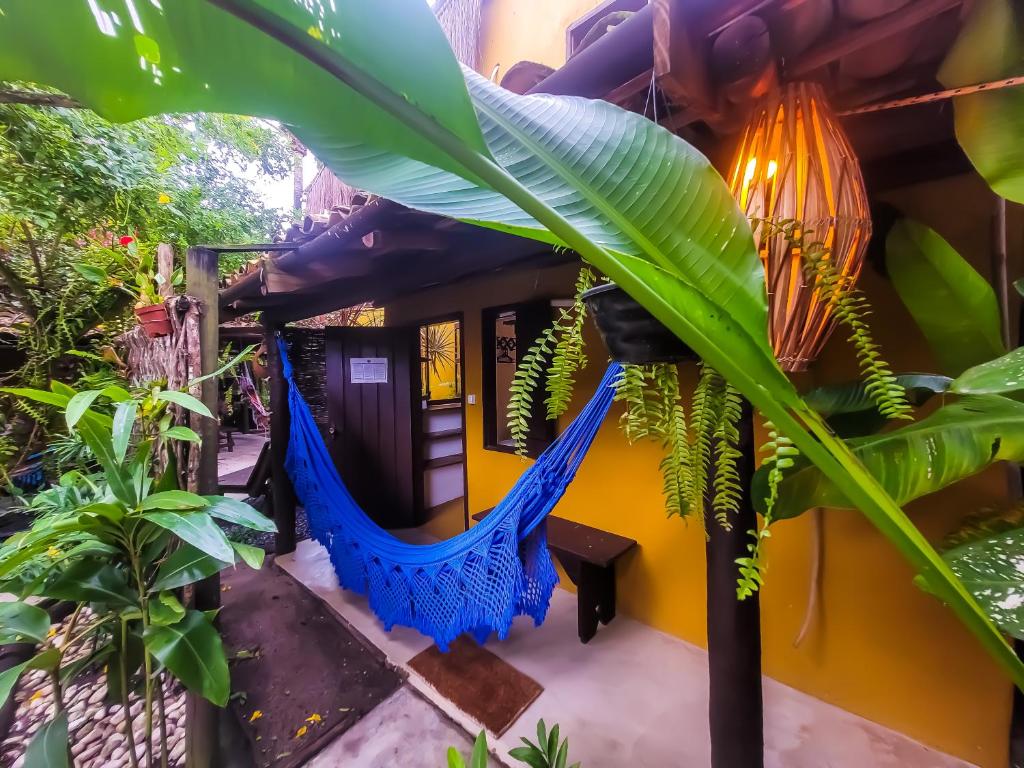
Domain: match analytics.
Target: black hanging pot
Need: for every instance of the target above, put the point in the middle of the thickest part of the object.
(631, 333)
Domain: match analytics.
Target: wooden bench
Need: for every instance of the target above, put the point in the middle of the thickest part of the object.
(588, 556)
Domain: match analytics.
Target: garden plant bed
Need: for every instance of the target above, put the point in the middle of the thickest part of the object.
(300, 678)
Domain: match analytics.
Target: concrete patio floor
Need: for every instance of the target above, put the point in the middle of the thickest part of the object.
(610, 698)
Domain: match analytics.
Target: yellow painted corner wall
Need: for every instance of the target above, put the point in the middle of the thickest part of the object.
(527, 30)
(880, 648)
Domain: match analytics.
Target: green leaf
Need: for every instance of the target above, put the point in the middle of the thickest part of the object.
(990, 569)
(851, 410)
(957, 441)
(78, 405)
(49, 746)
(182, 433)
(105, 509)
(174, 499)
(38, 395)
(46, 660)
(479, 757)
(185, 400)
(197, 529)
(1005, 374)
(529, 755)
(8, 679)
(116, 394)
(954, 306)
(252, 556)
(242, 356)
(989, 124)
(20, 622)
(91, 272)
(553, 743)
(186, 565)
(455, 759)
(238, 512)
(92, 580)
(165, 609)
(124, 422)
(102, 447)
(191, 650)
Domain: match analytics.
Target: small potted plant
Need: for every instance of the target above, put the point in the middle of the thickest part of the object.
(142, 283)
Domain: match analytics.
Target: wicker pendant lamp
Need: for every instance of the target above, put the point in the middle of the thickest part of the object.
(795, 162)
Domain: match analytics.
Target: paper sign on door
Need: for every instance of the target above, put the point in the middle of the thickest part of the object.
(369, 370)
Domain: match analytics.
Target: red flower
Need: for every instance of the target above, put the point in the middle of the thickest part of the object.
(125, 239)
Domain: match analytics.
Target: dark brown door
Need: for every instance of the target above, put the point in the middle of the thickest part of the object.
(372, 398)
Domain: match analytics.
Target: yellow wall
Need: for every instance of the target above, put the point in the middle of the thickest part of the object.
(527, 30)
(881, 649)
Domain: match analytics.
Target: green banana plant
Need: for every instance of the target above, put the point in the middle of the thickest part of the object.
(851, 411)
(955, 442)
(989, 124)
(955, 307)
(375, 92)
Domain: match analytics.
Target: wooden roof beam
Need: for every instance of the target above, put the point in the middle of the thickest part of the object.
(856, 38)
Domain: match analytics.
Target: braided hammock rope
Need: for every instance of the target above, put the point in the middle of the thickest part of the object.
(477, 581)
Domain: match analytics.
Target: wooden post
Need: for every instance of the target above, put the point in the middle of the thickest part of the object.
(735, 710)
(201, 272)
(282, 495)
(165, 268)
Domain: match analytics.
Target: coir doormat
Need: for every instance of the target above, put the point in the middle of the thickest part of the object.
(490, 690)
(299, 677)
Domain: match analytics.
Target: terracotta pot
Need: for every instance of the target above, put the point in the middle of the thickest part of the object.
(631, 333)
(154, 320)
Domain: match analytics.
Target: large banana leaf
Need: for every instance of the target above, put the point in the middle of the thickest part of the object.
(852, 411)
(955, 442)
(631, 198)
(1005, 374)
(989, 124)
(954, 306)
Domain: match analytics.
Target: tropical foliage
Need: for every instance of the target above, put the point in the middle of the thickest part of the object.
(83, 205)
(394, 115)
(548, 752)
(121, 543)
(988, 124)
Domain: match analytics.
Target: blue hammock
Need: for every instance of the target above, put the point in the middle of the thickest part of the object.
(477, 581)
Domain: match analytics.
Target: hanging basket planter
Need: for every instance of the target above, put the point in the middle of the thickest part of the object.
(154, 320)
(631, 333)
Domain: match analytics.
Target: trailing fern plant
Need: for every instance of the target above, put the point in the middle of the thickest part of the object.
(850, 307)
(677, 464)
(728, 488)
(568, 357)
(781, 452)
(562, 343)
